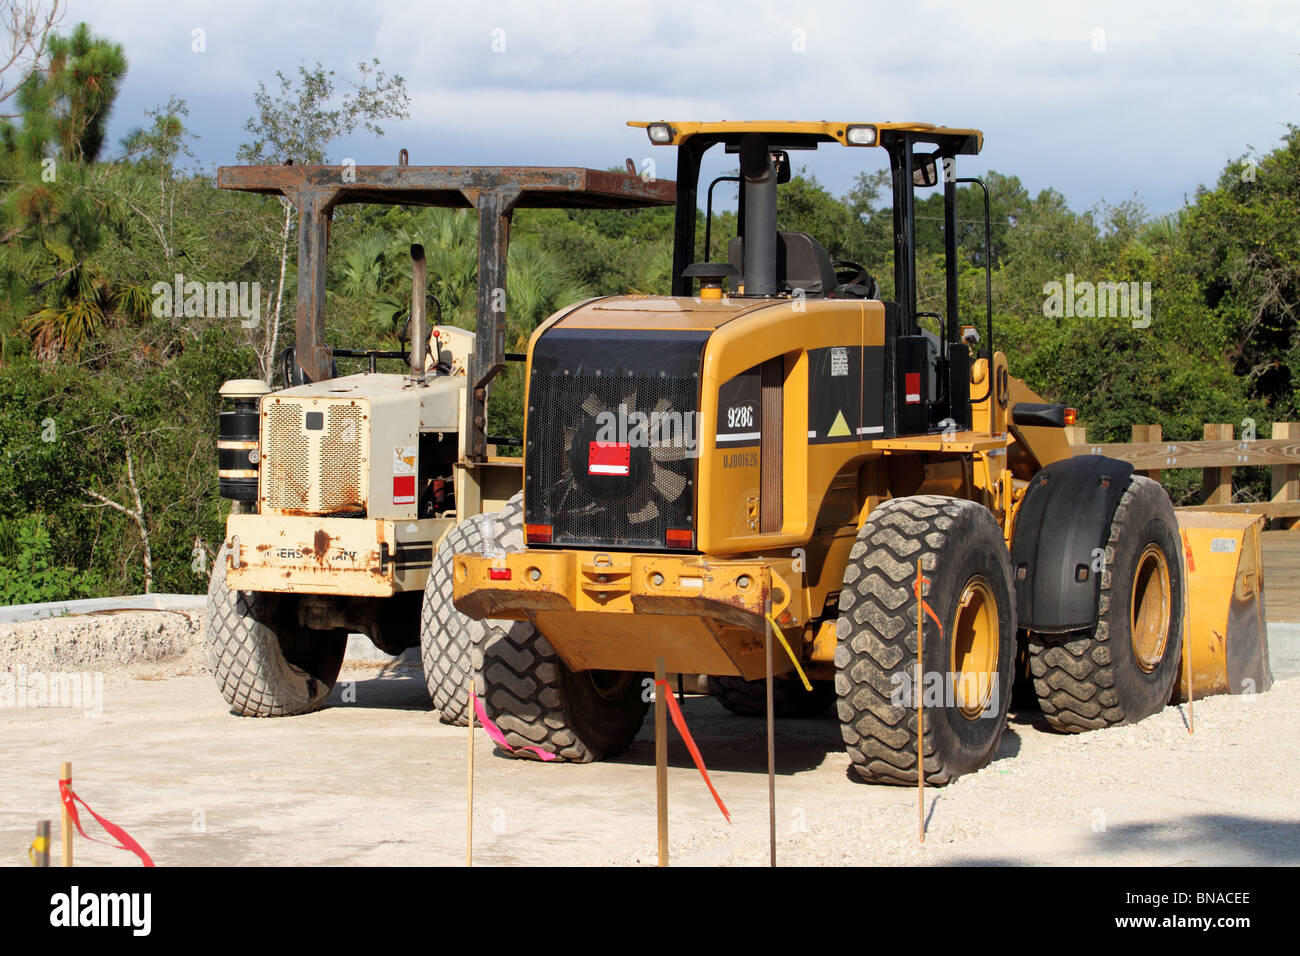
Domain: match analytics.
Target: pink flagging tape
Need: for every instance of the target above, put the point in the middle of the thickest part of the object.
(499, 738)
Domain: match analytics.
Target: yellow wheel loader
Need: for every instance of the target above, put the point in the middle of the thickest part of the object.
(775, 447)
(345, 488)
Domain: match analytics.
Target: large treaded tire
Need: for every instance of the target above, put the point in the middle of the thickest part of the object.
(748, 698)
(958, 543)
(264, 666)
(537, 701)
(451, 642)
(1090, 680)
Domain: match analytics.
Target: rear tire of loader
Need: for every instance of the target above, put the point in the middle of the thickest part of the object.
(450, 642)
(748, 698)
(1123, 670)
(264, 665)
(965, 560)
(537, 701)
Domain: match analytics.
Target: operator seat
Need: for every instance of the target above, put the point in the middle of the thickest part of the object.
(801, 263)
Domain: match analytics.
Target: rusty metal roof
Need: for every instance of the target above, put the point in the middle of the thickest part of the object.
(455, 186)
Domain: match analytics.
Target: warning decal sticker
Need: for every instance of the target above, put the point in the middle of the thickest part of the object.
(834, 399)
(404, 459)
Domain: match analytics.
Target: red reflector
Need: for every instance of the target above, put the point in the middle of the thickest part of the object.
(403, 489)
(912, 387)
(537, 533)
(679, 538)
(609, 458)
(498, 574)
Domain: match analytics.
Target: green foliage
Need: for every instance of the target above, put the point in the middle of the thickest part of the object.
(106, 400)
(31, 572)
(300, 121)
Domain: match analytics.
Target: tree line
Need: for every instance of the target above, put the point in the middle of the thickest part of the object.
(107, 428)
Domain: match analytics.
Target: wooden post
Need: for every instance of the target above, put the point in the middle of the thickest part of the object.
(1286, 478)
(661, 757)
(65, 774)
(41, 845)
(771, 746)
(1216, 483)
(1148, 433)
(918, 689)
(469, 784)
(1076, 434)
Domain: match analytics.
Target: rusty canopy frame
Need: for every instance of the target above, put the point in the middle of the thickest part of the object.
(494, 191)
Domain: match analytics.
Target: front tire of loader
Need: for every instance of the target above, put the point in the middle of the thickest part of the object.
(1123, 670)
(965, 560)
(748, 698)
(537, 701)
(450, 642)
(266, 666)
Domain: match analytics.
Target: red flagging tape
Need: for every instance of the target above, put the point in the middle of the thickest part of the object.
(124, 840)
(679, 722)
(916, 586)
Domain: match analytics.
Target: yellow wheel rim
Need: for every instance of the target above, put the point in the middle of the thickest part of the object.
(975, 644)
(1149, 607)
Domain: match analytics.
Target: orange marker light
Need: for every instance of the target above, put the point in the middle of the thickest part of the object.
(680, 538)
(1070, 416)
(537, 533)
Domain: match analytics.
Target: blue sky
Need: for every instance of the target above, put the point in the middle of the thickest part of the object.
(1099, 100)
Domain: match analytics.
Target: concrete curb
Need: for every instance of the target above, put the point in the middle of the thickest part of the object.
(16, 613)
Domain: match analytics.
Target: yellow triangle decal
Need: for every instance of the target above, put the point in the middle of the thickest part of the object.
(838, 427)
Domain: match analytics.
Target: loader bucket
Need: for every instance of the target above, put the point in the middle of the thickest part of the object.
(1226, 632)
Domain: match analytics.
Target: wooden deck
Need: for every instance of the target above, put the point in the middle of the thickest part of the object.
(1282, 575)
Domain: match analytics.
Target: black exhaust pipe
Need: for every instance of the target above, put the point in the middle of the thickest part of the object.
(760, 215)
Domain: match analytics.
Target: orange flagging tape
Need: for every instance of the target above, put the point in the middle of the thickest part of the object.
(680, 723)
(916, 586)
(124, 840)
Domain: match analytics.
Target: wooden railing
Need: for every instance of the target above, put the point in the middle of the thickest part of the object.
(1216, 455)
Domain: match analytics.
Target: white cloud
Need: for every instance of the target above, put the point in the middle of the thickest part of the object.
(1177, 90)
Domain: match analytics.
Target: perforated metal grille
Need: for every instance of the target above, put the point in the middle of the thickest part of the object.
(318, 471)
(340, 460)
(653, 409)
(286, 458)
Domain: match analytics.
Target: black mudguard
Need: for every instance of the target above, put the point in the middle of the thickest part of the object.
(1064, 517)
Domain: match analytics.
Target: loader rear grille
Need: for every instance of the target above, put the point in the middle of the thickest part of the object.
(313, 471)
(636, 388)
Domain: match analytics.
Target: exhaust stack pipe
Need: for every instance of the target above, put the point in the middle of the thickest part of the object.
(419, 321)
(760, 215)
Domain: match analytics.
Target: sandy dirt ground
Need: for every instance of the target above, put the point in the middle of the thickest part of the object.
(378, 780)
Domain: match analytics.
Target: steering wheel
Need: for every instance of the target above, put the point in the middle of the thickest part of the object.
(851, 274)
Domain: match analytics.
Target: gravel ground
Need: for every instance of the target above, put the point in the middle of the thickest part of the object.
(375, 779)
(149, 644)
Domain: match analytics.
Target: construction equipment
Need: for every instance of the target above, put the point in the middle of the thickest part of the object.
(344, 488)
(703, 466)
(706, 466)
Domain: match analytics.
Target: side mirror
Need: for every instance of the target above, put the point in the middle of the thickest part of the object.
(781, 160)
(926, 170)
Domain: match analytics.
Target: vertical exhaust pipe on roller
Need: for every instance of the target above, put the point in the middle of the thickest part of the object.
(419, 321)
(760, 215)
